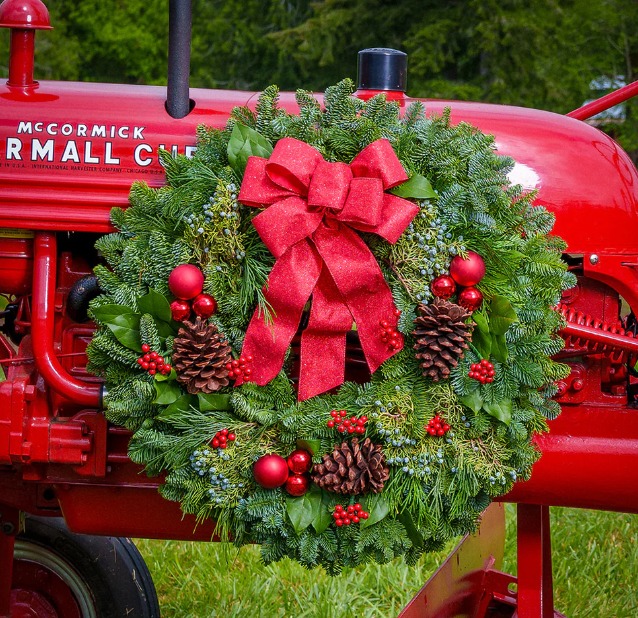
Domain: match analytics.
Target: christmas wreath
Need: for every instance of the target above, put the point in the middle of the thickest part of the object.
(332, 330)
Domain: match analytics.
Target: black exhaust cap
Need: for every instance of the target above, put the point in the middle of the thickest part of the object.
(381, 68)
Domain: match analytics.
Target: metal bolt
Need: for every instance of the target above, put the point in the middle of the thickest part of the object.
(8, 528)
(593, 259)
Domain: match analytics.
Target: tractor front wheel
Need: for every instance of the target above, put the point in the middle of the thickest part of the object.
(59, 574)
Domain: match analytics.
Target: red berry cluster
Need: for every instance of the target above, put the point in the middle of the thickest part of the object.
(347, 425)
(240, 368)
(389, 333)
(153, 362)
(483, 371)
(437, 426)
(222, 438)
(352, 514)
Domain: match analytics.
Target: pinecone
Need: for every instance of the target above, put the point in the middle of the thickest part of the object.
(200, 354)
(352, 469)
(442, 337)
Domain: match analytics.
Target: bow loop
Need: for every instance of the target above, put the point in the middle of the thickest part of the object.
(292, 164)
(378, 160)
(257, 189)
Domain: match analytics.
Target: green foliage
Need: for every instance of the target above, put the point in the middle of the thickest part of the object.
(544, 54)
(437, 485)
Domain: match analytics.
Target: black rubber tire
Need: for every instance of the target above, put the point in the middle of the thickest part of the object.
(107, 575)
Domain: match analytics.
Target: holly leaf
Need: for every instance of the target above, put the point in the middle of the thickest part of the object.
(502, 315)
(123, 322)
(481, 322)
(378, 508)
(167, 392)
(301, 510)
(416, 186)
(156, 304)
(246, 142)
(501, 410)
(413, 532)
(165, 329)
(312, 446)
(481, 337)
(321, 509)
(183, 404)
(213, 401)
(160, 377)
(499, 348)
(473, 400)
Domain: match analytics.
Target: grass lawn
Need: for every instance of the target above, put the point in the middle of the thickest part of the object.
(595, 561)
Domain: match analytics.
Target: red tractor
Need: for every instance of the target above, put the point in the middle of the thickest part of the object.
(69, 153)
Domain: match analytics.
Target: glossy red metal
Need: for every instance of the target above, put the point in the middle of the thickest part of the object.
(589, 460)
(49, 367)
(535, 584)
(24, 14)
(604, 338)
(468, 585)
(24, 17)
(609, 100)
(16, 265)
(113, 134)
(22, 59)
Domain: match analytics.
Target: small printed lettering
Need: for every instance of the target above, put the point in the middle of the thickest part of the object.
(82, 146)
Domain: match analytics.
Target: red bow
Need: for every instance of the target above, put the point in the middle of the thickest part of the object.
(313, 206)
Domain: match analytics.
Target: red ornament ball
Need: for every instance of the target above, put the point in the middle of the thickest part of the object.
(467, 272)
(271, 471)
(186, 281)
(180, 310)
(443, 287)
(470, 298)
(299, 461)
(204, 305)
(297, 484)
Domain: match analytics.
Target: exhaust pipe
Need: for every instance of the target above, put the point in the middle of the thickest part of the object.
(178, 102)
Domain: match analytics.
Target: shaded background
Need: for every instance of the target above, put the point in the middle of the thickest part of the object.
(548, 54)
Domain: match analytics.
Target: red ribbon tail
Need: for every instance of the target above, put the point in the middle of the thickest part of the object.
(289, 286)
(323, 343)
(360, 281)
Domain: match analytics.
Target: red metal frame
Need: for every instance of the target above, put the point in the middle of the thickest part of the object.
(42, 327)
(468, 583)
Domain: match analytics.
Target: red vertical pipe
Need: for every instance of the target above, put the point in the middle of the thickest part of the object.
(21, 58)
(535, 584)
(42, 325)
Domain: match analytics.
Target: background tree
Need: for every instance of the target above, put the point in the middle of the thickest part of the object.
(535, 53)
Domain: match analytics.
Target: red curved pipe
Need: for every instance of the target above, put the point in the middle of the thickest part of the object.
(42, 323)
(605, 102)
